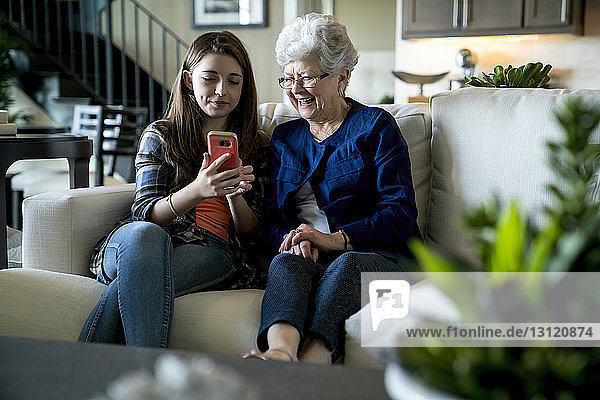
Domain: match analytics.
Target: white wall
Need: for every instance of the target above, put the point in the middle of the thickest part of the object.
(371, 26)
(177, 15)
(575, 59)
(370, 23)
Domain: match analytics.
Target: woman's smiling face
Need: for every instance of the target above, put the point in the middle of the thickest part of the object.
(217, 82)
(317, 103)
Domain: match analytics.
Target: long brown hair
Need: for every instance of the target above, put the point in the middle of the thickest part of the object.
(185, 144)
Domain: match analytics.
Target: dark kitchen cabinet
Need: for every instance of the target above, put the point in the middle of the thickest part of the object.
(553, 15)
(429, 16)
(490, 15)
(439, 18)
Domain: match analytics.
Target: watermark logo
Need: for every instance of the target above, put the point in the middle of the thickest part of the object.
(389, 300)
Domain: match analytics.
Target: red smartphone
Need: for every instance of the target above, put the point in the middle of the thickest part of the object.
(221, 142)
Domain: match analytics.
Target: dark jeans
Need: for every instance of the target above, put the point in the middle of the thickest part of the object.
(317, 298)
(147, 273)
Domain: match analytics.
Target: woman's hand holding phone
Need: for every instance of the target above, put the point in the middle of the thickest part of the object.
(230, 183)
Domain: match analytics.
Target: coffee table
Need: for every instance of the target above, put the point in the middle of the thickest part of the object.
(40, 369)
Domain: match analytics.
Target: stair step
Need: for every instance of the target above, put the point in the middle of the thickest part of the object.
(70, 88)
(41, 62)
(45, 82)
(71, 100)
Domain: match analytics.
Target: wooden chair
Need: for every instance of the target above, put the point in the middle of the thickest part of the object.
(86, 122)
(116, 141)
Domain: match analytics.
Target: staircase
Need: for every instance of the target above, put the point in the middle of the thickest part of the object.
(99, 51)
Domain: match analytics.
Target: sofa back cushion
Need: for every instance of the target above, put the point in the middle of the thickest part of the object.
(414, 122)
(488, 141)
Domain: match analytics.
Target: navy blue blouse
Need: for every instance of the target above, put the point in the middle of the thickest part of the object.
(360, 176)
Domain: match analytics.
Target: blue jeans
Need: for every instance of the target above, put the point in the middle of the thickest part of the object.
(147, 274)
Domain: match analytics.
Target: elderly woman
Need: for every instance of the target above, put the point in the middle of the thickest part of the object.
(341, 202)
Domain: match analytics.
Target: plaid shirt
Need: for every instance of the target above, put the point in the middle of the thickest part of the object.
(155, 179)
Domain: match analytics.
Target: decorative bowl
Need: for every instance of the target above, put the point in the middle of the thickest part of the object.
(418, 79)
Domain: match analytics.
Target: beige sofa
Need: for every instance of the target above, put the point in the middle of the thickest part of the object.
(464, 146)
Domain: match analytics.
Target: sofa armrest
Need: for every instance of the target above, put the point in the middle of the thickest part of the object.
(61, 228)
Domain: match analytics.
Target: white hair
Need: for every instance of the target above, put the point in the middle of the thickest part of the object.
(320, 35)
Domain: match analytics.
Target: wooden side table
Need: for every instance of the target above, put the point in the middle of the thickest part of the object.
(76, 149)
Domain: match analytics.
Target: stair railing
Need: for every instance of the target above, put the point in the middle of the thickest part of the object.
(107, 22)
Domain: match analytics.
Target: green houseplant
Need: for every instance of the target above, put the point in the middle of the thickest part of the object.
(386, 99)
(531, 75)
(8, 42)
(568, 241)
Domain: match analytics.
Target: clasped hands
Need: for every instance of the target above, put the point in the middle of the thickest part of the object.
(230, 183)
(306, 241)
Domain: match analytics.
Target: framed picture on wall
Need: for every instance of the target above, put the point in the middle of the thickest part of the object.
(228, 13)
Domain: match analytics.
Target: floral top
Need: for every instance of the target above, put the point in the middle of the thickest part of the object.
(155, 179)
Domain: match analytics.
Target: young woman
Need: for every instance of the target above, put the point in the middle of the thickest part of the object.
(187, 221)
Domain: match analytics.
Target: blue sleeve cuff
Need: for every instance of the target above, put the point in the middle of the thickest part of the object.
(358, 234)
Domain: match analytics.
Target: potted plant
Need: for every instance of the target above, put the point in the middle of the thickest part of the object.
(531, 75)
(9, 42)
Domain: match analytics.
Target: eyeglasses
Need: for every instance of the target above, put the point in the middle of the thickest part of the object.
(306, 82)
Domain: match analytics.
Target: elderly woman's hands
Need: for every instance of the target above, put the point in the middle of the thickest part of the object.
(305, 239)
(303, 248)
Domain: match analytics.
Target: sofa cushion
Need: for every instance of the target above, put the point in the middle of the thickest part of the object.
(272, 114)
(367, 348)
(487, 141)
(48, 305)
(414, 122)
(45, 305)
(224, 322)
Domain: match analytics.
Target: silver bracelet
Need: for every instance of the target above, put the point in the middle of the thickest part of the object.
(170, 203)
(345, 239)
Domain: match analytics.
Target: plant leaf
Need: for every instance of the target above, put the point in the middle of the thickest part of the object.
(510, 234)
(542, 247)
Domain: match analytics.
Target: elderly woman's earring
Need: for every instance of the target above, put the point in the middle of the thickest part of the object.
(341, 93)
